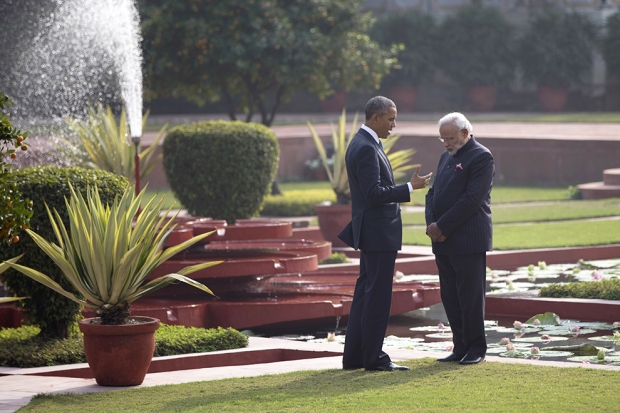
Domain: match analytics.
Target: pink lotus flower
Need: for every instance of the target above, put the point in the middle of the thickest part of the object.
(534, 350)
(546, 337)
(616, 324)
(504, 341)
(536, 322)
(441, 326)
(575, 329)
(596, 275)
(510, 347)
(518, 325)
(450, 348)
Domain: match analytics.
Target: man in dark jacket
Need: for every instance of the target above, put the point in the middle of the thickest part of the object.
(458, 215)
(376, 230)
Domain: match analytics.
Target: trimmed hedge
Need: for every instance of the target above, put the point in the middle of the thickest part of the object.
(601, 290)
(49, 185)
(23, 347)
(221, 169)
(296, 203)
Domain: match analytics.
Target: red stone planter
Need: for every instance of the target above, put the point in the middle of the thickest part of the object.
(482, 98)
(404, 97)
(334, 103)
(119, 355)
(332, 220)
(552, 99)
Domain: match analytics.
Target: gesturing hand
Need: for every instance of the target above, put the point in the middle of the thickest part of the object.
(418, 182)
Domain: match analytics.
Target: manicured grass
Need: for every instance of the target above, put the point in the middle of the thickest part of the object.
(539, 235)
(584, 117)
(499, 194)
(557, 211)
(428, 387)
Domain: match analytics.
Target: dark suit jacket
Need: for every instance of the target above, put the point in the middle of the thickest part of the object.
(460, 200)
(376, 223)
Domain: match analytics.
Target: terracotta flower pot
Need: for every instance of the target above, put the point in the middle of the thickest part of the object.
(404, 97)
(119, 355)
(482, 98)
(334, 103)
(552, 99)
(332, 220)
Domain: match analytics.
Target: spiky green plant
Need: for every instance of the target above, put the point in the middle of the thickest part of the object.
(337, 173)
(107, 255)
(101, 143)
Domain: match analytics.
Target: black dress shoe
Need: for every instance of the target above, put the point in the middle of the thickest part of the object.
(390, 367)
(471, 359)
(452, 357)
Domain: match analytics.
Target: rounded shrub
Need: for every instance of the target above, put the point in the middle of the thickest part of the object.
(49, 185)
(611, 44)
(221, 169)
(556, 49)
(477, 47)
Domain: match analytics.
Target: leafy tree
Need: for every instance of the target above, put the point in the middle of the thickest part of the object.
(15, 211)
(611, 45)
(257, 54)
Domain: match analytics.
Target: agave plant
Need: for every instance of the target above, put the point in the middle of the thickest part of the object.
(107, 255)
(103, 144)
(3, 267)
(337, 170)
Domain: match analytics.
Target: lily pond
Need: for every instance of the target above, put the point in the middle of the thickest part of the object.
(543, 336)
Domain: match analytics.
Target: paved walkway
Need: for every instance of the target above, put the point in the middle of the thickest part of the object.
(17, 387)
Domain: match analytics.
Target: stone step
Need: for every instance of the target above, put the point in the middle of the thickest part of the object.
(611, 176)
(599, 190)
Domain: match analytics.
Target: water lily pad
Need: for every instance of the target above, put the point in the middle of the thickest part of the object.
(566, 332)
(439, 335)
(418, 277)
(430, 328)
(401, 342)
(547, 318)
(605, 338)
(595, 359)
(584, 349)
(526, 329)
(538, 339)
(294, 337)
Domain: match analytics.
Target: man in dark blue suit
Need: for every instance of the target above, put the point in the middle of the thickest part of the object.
(376, 230)
(458, 215)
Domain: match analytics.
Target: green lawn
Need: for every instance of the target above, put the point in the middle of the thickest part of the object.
(428, 387)
(539, 235)
(556, 211)
(499, 194)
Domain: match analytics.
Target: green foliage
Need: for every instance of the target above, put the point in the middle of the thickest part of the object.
(601, 290)
(221, 169)
(611, 45)
(417, 33)
(109, 251)
(15, 210)
(336, 258)
(172, 339)
(50, 185)
(257, 54)
(546, 319)
(23, 347)
(296, 203)
(102, 144)
(476, 47)
(556, 50)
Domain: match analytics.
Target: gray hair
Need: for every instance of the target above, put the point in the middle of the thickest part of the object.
(378, 105)
(457, 119)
